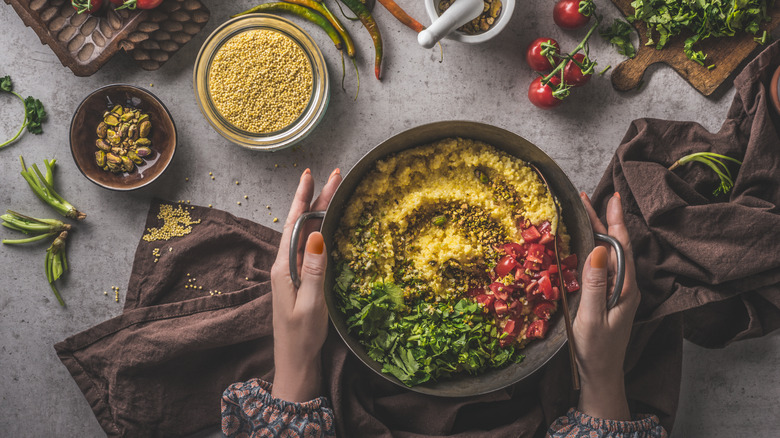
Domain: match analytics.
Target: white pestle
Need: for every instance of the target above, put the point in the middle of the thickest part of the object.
(458, 14)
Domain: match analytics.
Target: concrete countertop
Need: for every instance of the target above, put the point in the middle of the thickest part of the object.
(729, 392)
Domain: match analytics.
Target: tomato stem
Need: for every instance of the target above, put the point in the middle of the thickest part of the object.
(571, 54)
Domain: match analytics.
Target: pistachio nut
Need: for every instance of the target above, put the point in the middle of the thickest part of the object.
(113, 137)
(136, 159)
(101, 130)
(105, 168)
(113, 159)
(143, 117)
(102, 145)
(100, 158)
(132, 132)
(127, 164)
(117, 109)
(127, 116)
(111, 120)
(143, 151)
(123, 129)
(144, 128)
(116, 168)
(143, 141)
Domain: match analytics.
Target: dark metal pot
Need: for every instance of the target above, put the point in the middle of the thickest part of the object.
(574, 216)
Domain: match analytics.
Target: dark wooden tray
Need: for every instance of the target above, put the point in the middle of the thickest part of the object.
(84, 42)
(728, 55)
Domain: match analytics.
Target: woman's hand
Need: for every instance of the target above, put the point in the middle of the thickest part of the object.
(300, 317)
(601, 335)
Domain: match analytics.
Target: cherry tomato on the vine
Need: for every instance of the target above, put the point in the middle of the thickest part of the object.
(534, 57)
(89, 6)
(572, 73)
(566, 15)
(541, 95)
(133, 4)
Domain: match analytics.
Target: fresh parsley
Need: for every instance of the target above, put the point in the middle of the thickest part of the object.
(705, 18)
(34, 113)
(423, 341)
(619, 35)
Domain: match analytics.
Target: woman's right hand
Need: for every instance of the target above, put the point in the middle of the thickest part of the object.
(601, 335)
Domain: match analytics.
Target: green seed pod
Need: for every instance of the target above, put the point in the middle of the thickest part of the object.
(127, 164)
(100, 158)
(101, 130)
(102, 145)
(144, 128)
(113, 159)
(111, 119)
(143, 151)
(440, 220)
(136, 159)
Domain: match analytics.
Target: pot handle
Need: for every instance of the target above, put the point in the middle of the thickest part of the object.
(295, 237)
(621, 267)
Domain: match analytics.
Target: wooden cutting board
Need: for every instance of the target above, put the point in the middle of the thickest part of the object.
(727, 54)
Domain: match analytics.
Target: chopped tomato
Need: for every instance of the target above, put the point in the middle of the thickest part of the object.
(547, 261)
(473, 292)
(516, 309)
(505, 265)
(522, 278)
(514, 249)
(556, 293)
(535, 253)
(531, 266)
(537, 329)
(500, 308)
(530, 287)
(570, 280)
(545, 227)
(546, 238)
(531, 234)
(500, 290)
(544, 309)
(512, 327)
(485, 300)
(553, 269)
(545, 287)
(570, 261)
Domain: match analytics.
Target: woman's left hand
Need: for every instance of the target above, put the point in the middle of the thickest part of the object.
(300, 318)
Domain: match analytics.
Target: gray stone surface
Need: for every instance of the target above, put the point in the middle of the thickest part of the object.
(725, 392)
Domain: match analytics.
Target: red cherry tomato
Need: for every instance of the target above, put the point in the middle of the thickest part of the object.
(534, 57)
(566, 15)
(148, 4)
(572, 73)
(541, 95)
(133, 4)
(89, 6)
(537, 329)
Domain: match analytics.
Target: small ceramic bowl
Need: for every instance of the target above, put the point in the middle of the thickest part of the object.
(83, 135)
(507, 8)
(298, 129)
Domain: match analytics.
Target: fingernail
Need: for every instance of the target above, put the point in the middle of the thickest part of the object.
(315, 244)
(335, 172)
(583, 195)
(305, 172)
(617, 195)
(598, 258)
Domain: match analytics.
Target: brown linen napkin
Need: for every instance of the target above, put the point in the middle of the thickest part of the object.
(160, 368)
(715, 258)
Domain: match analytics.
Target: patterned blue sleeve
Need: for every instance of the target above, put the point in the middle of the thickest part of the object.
(575, 424)
(249, 410)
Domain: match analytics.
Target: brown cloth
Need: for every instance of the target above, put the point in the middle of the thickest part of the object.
(705, 264)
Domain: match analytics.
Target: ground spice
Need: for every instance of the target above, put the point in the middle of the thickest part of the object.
(260, 81)
(176, 223)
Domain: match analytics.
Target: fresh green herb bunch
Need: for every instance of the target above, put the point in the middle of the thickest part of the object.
(705, 18)
(34, 113)
(425, 341)
(43, 187)
(714, 162)
(619, 35)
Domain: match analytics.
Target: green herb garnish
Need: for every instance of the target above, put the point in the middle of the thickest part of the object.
(619, 35)
(705, 18)
(423, 341)
(39, 228)
(713, 161)
(34, 113)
